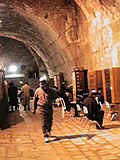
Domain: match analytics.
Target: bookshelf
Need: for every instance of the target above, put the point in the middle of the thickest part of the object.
(79, 81)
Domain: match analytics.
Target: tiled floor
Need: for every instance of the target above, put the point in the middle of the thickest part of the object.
(24, 139)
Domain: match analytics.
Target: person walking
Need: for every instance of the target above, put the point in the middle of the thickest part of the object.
(94, 109)
(26, 100)
(43, 98)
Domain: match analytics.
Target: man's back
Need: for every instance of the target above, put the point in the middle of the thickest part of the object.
(94, 112)
(46, 97)
(12, 92)
(91, 105)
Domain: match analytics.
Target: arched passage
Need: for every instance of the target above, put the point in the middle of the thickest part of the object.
(38, 37)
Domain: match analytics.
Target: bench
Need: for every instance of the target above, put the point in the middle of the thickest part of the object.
(115, 111)
(84, 121)
(87, 123)
(61, 104)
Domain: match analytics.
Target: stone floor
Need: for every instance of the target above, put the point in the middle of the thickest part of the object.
(72, 140)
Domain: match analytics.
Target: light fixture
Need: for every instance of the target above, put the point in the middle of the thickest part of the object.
(13, 68)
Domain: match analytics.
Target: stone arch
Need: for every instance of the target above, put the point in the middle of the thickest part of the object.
(30, 48)
(40, 37)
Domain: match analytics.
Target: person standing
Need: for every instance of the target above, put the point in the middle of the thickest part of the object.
(26, 100)
(43, 98)
(94, 109)
(12, 95)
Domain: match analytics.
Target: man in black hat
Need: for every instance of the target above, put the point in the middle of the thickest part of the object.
(94, 109)
(43, 98)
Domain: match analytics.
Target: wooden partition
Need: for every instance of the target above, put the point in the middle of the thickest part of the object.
(92, 80)
(99, 80)
(79, 81)
(115, 84)
(107, 85)
(109, 81)
(95, 80)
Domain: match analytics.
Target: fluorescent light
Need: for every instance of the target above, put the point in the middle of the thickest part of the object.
(13, 68)
(14, 75)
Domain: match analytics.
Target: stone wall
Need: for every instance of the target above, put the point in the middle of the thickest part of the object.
(64, 33)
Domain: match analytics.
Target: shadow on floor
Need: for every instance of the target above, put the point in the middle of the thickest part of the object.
(58, 138)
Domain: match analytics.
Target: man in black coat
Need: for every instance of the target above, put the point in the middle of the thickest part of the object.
(94, 109)
(12, 94)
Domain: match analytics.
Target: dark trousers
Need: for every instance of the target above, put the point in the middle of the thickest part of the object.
(97, 117)
(74, 105)
(26, 102)
(13, 102)
(46, 117)
(16, 107)
(25, 107)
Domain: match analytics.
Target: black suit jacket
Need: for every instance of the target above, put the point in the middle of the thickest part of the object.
(92, 106)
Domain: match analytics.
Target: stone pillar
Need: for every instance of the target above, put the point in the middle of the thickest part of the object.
(58, 79)
(51, 82)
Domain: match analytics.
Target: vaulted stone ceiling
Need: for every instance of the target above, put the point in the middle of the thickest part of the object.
(13, 52)
(58, 31)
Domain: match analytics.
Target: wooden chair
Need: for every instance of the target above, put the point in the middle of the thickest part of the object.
(62, 107)
(87, 123)
(111, 110)
(115, 111)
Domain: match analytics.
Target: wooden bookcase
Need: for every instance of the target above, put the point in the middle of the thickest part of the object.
(99, 80)
(107, 85)
(95, 80)
(115, 84)
(79, 81)
(107, 80)
(92, 80)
